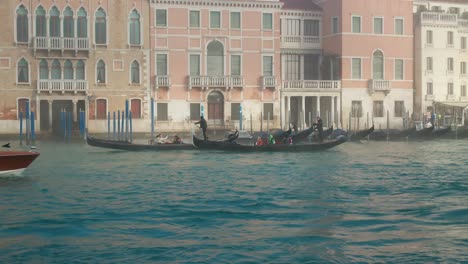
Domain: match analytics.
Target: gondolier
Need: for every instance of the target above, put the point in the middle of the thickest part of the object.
(203, 126)
(319, 127)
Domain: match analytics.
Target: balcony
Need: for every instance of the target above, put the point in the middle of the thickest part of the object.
(301, 42)
(379, 86)
(268, 82)
(312, 84)
(63, 86)
(60, 43)
(162, 81)
(206, 82)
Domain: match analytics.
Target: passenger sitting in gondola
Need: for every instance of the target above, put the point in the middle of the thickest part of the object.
(160, 139)
(259, 142)
(294, 128)
(177, 140)
(271, 140)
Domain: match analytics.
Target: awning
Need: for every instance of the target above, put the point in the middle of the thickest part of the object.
(453, 104)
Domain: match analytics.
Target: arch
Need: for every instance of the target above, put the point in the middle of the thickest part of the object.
(134, 28)
(22, 24)
(43, 70)
(135, 72)
(68, 70)
(23, 71)
(80, 70)
(68, 23)
(54, 22)
(82, 23)
(41, 23)
(100, 33)
(216, 106)
(378, 65)
(56, 73)
(101, 72)
(215, 58)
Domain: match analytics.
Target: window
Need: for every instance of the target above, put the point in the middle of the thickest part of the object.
(194, 65)
(292, 67)
(429, 37)
(463, 68)
(235, 20)
(235, 65)
(194, 111)
(356, 109)
(56, 70)
(378, 25)
(267, 65)
(22, 102)
(161, 64)
(68, 70)
(311, 67)
(161, 18)
(135, 107)
(356, 68)
(135, 72)
(429, 64)
(450, 64)
(41, 27)
(463, 90)
(134, 28)
(23, 71)
(101, 109)
(267, 21)
(378, 65)
(215, 19)
(399, 69)
(450, 88)
(268, 111)
(101, 72)
(54, 22)
(161, 109)
(378, 109)
(463, 43)
(356, 24)
(82, 24)
(194, 19)
(334, 25)
(429, 88)
(80, 70)
(292, 27)
(100, 34)
(43, 70)
(399, 26)
(311, 28)
(399, 108)
(22, 31)
(450, 39)
(68, 23)
(235, 111)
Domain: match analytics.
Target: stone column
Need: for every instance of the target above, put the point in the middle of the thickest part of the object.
(50, 115)
(289, 111)
(318, 106)
(74, 110)
(303, 113)
(332, 111)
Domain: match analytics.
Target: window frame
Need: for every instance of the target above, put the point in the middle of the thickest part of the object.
(139, 72)
(167, 63)
(105, 72)
(378, 113)
(400, 112)
(333, 30)
(106, 25)
(402, 19)
(265, 115)
(18, 106)
(450, 64)
(140, 106)
(131, 28)
(235, 106)
(429, 62)
(230, 20)
(156, 18)
(220, 19)
(352, 24)
(429, 37)
(430, 86)
(272, 21)
(382, 25)
(240, 64)
(272, 65)
(28, 81)
(190, 64)
(24, 31)
(402, 69)
(199, 18)
(352, 69)
(158, 116)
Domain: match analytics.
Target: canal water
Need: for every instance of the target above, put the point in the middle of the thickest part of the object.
(357, 203)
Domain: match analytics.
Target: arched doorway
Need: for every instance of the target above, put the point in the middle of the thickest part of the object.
(216, 108)
(215, 60)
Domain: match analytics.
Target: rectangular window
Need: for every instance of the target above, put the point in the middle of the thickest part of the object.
(311, 67)
(161, 18)
(429, 37)
(356, 108)
(101, 109)
(356, 68)
(161, 64)
(311, 27)
(356, 24)
(429, 64)
(334, 25)
(268, 111)
(194, 19)
(291, 27)
(450, 39)
(429, 88)
(399, 65)
(235, 20)
(161, 109)
(292, 67)
(450, 64)
(463, 43)
(463, 67)
(399, 108)
(235, 111)
(378, 25)
(135, 107)
(194, 65)
(463, 90)
(194, 111)
(215, 19)
(235, 65)
(399, 26)
(267, 65)
(378, 109)
(267, 21)
(450, 88)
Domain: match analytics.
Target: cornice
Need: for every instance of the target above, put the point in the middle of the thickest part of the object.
(298, 13)
(219, 3)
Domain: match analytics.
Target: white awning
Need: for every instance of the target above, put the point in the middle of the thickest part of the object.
(453, 104)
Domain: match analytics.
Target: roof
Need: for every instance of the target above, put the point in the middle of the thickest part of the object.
(306, 5)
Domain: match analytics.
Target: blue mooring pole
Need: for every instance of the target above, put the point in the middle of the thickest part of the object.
(21, 128)
(27, 122)
(126, 119)
(118, 126)
(152, 118)
(108, 125)
(240, 117)
(113, 127)
(131, 127)
(33, 132)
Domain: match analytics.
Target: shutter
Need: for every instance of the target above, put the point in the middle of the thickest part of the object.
(235, 20)
(399, 69)
(356, 24)
(311, 27)
(215, 65)
(161, 18)
(161, 64)
(194, 19)
(267, 66)
(101, 109)
(267, 21)
(194, 65)
(194, 111)
(356, 68)
(215, 19)
(235, 65)
(235, 111)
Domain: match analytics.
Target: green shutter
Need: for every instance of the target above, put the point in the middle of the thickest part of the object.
(235, 65)
(161, 64)
(194, 65)
(195, 19)
(235, 20)
(161, 18)
(399, 69)
(267, 21)
(356, 24)
(215, 19)
(356, 68)
(267, 66)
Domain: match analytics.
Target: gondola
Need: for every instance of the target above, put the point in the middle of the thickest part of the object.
(392, 134)
(437, 133)
(326, 134)
(425, 133)
(125, 145)
(303, 135)
(281, 135)
(235, 147)
(358, 135)
(457, 133)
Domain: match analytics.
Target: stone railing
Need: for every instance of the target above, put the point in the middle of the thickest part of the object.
(216, 81)
(379, 86)
(311, 84)
(60, 43)
(268, 82)
(438, 18)
(301, 42)
(62, 86)
(162, 81)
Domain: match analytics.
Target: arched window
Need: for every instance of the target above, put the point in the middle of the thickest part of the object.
(43, 70)
(100, 27)
(135, 107)
(56, 70)
(41, 27)
(80, 72)
(215, 58)
(378, 65)
(23, 71)
(101, 72)
(135, 72)
(68, 23)
(82, 24)
(68, 70)
(22, 24)
(54, 22)
(134, 28)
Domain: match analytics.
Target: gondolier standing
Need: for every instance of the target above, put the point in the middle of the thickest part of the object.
(319, 127)
(203, 126)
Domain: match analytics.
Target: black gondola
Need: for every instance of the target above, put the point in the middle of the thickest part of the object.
(358, 135)
(326, 134)
(392, 134)
(425, 133)
(125, 145)
(233, 146)
(303, 135)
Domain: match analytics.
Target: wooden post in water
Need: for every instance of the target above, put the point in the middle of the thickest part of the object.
(27, 122)
(152, 118)
(310, 119)
(118, 125)
(126, 119)
(349, 125)
(122, 130)
(388, 125)
(33, 132)
(108, 125)
(131, 127)
(251, 123)
(21, 128)
(261, 122)
(240, 117)
(268, 123)
(113, 128)
(70, 123)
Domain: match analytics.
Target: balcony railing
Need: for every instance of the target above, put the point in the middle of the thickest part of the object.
(216, 81)
(60, 43)
(379, 86)
(162, 81)
(311, 84)
(301, 42)
(62, 86)
(268, 82)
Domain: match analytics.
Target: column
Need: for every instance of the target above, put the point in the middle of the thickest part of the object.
(283, 110)
(339, 122)
(332, 111)
(303, 113)
(74, 110)
(318, 106)
(289, 110)
(50, 115)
